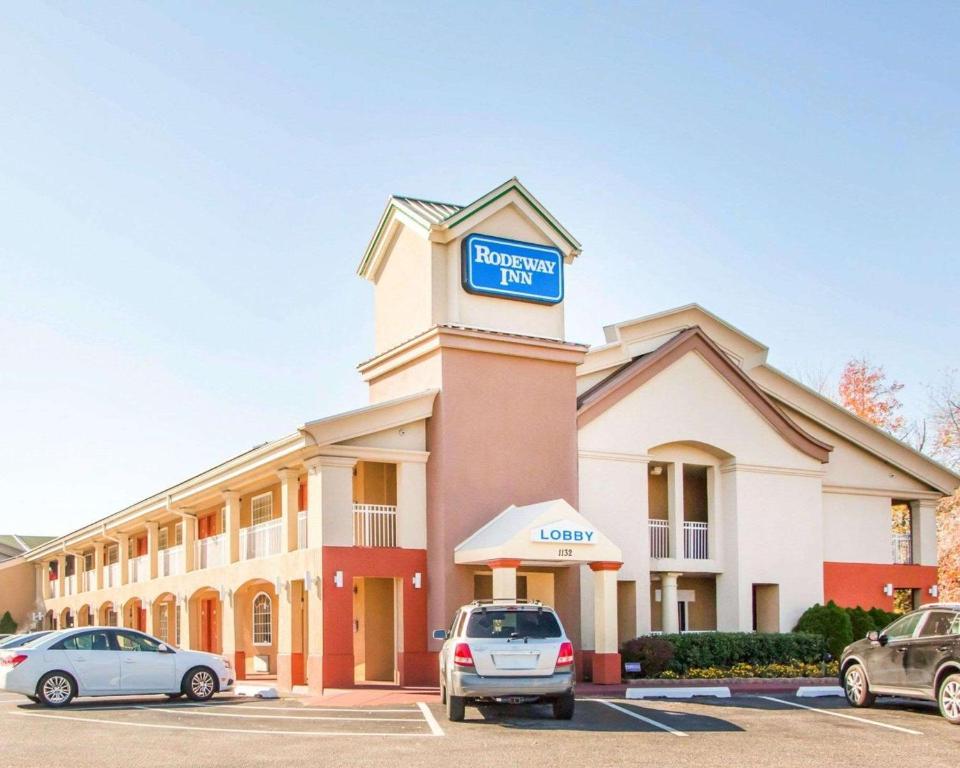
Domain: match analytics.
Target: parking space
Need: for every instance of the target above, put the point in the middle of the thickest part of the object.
(778, 731)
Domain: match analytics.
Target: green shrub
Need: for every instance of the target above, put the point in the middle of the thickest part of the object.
(861, 622)
(727, 649)
(831, 622)
(653, 653)
(7, 625)
(882, 618)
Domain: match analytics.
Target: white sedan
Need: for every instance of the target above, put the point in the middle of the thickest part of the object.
(109, 661)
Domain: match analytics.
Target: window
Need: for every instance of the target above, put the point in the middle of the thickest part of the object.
(163, 623)
(113, 554)
(130, 641)
(262, 619)
(903, 629)
(938, 623)
(261, 508)
(84, 641)
(178, 534)
(163, 539)
(504, 623)
(88, 561)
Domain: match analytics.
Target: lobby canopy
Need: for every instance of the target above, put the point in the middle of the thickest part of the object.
(548, 532)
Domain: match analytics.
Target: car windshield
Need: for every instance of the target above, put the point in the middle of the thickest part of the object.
(22, 641)
(493, 623)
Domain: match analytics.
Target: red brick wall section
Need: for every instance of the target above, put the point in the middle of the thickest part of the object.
(853, 584)
(416, 665)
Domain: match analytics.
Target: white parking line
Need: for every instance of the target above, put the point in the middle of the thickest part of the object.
(209, 729)
(637, 716)
(435, 728)
(169, 711)
(843, 715)
(122, 705)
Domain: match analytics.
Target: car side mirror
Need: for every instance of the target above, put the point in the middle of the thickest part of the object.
(164, 648)
(440, 634)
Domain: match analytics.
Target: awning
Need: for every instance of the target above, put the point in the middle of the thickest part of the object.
(549, 532)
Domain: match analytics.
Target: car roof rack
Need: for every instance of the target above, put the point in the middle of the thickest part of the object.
(508, 600)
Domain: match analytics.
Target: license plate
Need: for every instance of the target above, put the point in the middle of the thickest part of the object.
(515, 660)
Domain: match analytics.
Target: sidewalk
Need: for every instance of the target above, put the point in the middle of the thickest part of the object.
(735, 684)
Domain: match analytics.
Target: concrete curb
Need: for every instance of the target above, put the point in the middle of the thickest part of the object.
(676, 692)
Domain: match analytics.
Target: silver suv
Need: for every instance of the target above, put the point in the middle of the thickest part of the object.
(507, 651)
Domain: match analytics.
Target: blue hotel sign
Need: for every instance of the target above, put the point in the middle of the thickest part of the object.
(495, 266)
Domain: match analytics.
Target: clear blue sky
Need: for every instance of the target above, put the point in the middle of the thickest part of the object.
(186, 190)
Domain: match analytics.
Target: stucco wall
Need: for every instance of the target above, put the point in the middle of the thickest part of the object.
(402, 291)
(17, 588)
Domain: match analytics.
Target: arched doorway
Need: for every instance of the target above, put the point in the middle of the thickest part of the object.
(107, 615)
(206, 633)
(256, 615)
(135, 614)
(166, 618)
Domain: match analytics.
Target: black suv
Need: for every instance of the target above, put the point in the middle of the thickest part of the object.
(917, 657)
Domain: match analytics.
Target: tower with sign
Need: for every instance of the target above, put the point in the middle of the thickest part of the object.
(468, 300)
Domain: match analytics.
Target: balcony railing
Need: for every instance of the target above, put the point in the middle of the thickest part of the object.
(211, 551)
(261, 540)
(695, 541)
(659, 538)
(170, 561)
(111, 575)
(302, 530)
(55, 589)
(88, 580)
(70, 585)
(374, 525)
(902, 549)
(138, 569)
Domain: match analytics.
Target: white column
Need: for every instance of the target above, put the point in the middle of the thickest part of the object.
(98, 565)
(330, 501)
(189, 523)
(231, 524)
(669, 616)
(123, 551)
(714, 515)
(153, 547)
(289, 508)
(923, 525)
(412, 505)
(61, 575)
(45, 588)
(504, 579)
(675, 508)
(605, 607)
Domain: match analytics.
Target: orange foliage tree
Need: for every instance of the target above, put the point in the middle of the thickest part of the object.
(864, 390)
(948, 542)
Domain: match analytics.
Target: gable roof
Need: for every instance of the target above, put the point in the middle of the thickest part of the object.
(432, 216)
(611, 390)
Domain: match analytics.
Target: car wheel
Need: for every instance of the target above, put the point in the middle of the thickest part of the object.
(199, 684)
(563, 707)
(34, 699)
(456, 708)
(948, 697)
(56, 689)
(855, 687)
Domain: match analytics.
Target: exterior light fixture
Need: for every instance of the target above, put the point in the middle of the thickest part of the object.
(338, 579)
(307, 579)
(416, 580)
(656, 469)
(934, 591)
(888, 590)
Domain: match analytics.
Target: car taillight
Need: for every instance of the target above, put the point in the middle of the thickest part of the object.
(462, 655)
(12, 661)
(565, 657)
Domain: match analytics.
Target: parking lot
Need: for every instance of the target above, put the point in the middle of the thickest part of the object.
(774, 730)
